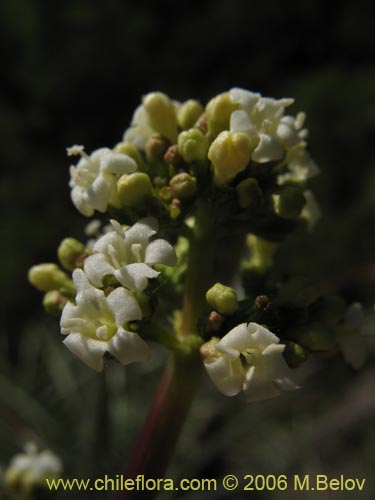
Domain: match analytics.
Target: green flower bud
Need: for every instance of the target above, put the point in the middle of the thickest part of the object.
(175, 209)
(222, 299)
(183, 185)
(298, 292)
(127, 148)
(54, 302)
(46, 277)
(69, 251)
(188, 113)
(193, 145)
(173, 156)
(289, 202)
(134, 189)
(315, 337)
(156, 147)
(162, 114)
(218, 112)
(261, 254)
(294, 354)
(248, 193)
(230, 153)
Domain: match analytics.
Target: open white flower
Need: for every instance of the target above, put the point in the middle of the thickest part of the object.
(279, 134)
(248, 358)
(32, 468)
(128, 255)
(93, 179)
(97, 324)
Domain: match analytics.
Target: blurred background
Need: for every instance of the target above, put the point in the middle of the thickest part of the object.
(73, 72)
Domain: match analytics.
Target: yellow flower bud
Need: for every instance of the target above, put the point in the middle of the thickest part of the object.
(134, 188)
(222, 299)
(218, 112)
(193, 145)
(68, 252)
(230, 153)
(188, 113)
(127, 148)
(183, 185)
(46, 277)
(162, 114)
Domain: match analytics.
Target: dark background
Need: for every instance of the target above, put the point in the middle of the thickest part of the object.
(73, 72)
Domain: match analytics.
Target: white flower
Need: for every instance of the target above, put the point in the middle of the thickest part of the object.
(249, 358)
(128, 255)
(32, 468)
(93, 180)
(97, 324)
(278, 134)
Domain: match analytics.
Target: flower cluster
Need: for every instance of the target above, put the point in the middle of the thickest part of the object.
(213, 180)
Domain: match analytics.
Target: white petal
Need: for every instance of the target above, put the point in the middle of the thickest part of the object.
(243, 97)
(134, 276)
(128, 347)
(124, 306)
(99, 192)
(69, 313)
(110, 238)
(261, 338)
(161, 252)
(226, 373)
(268, 149)
(90, 351)
(235, 341)
(96, 267)
(117, 163)
(142, 231)
(79, 199)
(88, 297)
(239, 122)
(258, 386)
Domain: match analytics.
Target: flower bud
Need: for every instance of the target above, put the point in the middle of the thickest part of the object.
(315, 337)
(248, 193)
(127, 148)
(69, 251)
(229, 153)
(173, 156)
(294, 354)
(134, 189)
(289, 202)
(188, 113)
(193, 145)
(162, 114)
(208, 349)
(54, 302)
(218, 112)
(46, 277)
(222, 299)
(183, 185)
(175, 209)
(156, 147)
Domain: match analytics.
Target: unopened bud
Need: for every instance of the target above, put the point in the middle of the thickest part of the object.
(222, 299)
(294, 354)
(315, 337)
(248, 193)
(214, 321)
(188, 113)
(127, 148)
(69, 251)
(193, 145)
(134, 189)
(208, 349)
(162, 114)
(46, 277)
(54, 302)
(183, 185)
(218, 112)
(289, 202)
(156, 147)
(230, 153)
(175, 208)
(173, 156)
